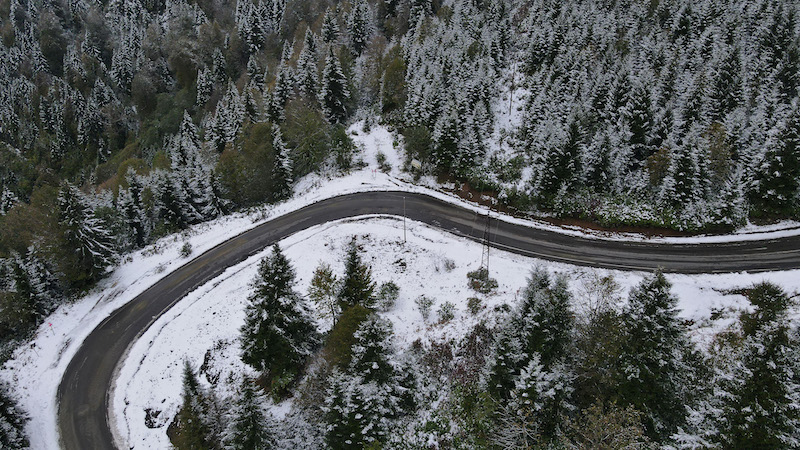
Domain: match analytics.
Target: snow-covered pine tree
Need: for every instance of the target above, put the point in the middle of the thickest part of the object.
(541, 327)
(278, 334)
(761, 400)
(533, 416)
(330, 27)
(639, 117)
(357, 287)
(85, 238)
(130, 206)
(12, 422)
(658, 360)
(282, 169)
(562, 167)
(362, 401)
(307, 66)
(192, 174)
(505, 360)
(281, 91)
(251, 426)
(171, 211)
(545, 318)
(192, 430)
(342, 419)
(255, 73)
(776, 187)
(35, 287)
(358, 27)
(334, 93)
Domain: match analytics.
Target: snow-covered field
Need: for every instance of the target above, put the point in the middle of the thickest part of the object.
(150, 377)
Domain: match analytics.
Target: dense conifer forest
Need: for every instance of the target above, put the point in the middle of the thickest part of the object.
(123, 121)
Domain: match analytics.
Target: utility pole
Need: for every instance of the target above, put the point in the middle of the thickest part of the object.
(486, 238)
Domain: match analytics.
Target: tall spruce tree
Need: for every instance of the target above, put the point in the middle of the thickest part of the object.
(761, 406)
(251, 425)
(278, 335)
(282, 168)
(334, 94)
(193, 431)
(776, 188)
(86, 241)
(357, 287)
(659, 364)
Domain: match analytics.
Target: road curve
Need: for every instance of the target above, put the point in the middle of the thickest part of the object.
(83, 395)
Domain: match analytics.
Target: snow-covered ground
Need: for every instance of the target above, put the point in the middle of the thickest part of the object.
(210, 317)
(213, 314)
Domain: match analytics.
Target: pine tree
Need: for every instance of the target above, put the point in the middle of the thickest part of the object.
(639, 117)
(281, 92)
(334, 94)
(357, 287)
(307, 66)
(342, 419)
(372, 351)
(330, 27)
(170, 206)
(658, 361)
(12, 422)
(282, 169)
(760, 407)
(362, 402)
(250, 425)
(193, 431)
(540, 328)
(562, 167)
(86, 240)
(506, 360)
(777, 182)
(681, 185)
(538, 405)
(278, 335)
(130, 206)
(545, 317)
(358, 27)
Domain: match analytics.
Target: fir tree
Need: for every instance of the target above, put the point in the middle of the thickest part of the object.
(358, 27)
(760, 407)
(282, 169)
(342, 419)
(545, 317)
(658, 361)
(193, 431)
(357, 287)
(278, 335)
(130, 206)
(540, 328)
(538, 405)
(307, 66)
(251, 426)
(334, 94)
(12, 422)
(330, 27)
(777, 182)
(562, 166)
(362, 402)
(85, 238)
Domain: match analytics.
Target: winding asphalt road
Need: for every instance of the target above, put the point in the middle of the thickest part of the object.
(83, 396)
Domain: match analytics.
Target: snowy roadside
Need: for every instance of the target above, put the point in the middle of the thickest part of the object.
(204, 327)
(36, 370)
